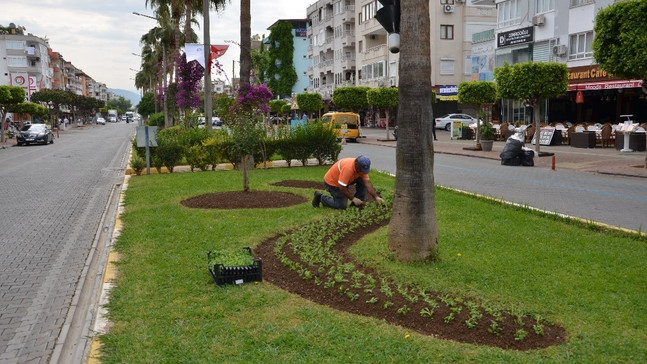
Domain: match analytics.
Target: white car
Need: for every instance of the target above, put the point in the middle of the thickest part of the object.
(101, 121)
(445, 121)
(215, 121)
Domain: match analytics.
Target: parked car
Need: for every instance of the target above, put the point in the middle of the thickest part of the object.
(215, 121)
(35, 133)
(101, 121)
(445, 121)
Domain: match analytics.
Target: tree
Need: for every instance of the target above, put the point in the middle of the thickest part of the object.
(620, 45)
(383, 98)
(350, 97)
(413, 230)
(86, 106)
(532, 82)
(310, 102)
(245, 123)
(245, 41)
(55, 99)
(479, 93)
(281, 74)
(188, 77)
(121, 104)
(260, 63)
(146, 105)
(9, 95)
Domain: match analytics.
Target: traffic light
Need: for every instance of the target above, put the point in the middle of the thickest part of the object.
(389, 17)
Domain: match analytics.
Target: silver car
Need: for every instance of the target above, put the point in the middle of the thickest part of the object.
(445, 121)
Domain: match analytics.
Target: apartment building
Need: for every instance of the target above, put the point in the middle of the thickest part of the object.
(24, 61)
(562, 31)
(27, 60)
(300, 56)
(349, 46)
(332, 46)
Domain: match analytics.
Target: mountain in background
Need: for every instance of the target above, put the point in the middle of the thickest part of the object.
(128, 95)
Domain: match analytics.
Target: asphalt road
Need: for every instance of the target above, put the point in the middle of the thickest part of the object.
(614, 200)
(55, 214)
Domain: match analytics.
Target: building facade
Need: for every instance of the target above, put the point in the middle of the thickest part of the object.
(24, 61)
(349, 46)
(27, 60)
(331, 49)
(562, 31)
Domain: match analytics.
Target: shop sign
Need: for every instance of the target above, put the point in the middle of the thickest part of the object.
(611, 85)
(448, 93)
(517, 36)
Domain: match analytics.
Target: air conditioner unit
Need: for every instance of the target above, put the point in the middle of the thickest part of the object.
(538, 20)
(559, 50)
(449, 8)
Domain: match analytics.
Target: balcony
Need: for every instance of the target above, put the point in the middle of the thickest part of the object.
(348, 38)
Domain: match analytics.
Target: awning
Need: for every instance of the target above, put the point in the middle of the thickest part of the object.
(609, 85)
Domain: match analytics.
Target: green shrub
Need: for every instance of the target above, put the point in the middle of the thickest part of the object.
(196, 157)
(156, 119)
(137, 163)
(323, 142)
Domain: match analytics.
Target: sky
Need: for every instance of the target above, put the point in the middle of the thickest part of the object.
(100, 36)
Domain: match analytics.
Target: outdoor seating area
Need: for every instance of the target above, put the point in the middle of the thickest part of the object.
(580, 135)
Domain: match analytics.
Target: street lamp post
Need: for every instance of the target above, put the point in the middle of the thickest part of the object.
(164, 67)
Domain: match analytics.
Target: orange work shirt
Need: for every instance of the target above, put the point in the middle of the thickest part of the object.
(342, 173)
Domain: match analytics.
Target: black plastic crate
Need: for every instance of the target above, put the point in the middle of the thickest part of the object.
(223, 274)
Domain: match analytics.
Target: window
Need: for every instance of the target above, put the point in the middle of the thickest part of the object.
(581, 2)
(508, 13)
(446, 66)
(544, 6)
(446, 31)
(446, 2)
(338, 8)
(581, 46)
(14, 61)
(15, 44)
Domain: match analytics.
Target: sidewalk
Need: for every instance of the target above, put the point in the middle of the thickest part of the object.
(596, 160)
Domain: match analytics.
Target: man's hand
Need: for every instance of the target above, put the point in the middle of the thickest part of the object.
(357, 202)
(379, 200)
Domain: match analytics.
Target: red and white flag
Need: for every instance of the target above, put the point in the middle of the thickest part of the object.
(195, 52)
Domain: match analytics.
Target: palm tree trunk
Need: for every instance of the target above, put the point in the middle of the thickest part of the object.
(413, 230)
(245, 41)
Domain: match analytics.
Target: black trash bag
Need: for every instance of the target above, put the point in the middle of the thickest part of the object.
(512, 152)
(527, 158)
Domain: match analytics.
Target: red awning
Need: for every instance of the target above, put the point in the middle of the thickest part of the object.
(609, 85)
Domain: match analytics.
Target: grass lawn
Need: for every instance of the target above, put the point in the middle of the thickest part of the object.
(166, 309)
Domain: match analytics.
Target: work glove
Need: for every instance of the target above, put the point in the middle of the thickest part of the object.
(379, 200)
(357, 202)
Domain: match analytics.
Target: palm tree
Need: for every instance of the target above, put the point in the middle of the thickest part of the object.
(156, 44)
(413, 230)
(245, 42)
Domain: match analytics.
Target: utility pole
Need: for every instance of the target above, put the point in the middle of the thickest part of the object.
(207, 66)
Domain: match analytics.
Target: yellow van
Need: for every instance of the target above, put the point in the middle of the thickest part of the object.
(344, 124)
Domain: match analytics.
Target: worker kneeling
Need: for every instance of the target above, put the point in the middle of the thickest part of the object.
(344, 173)
(515, 154)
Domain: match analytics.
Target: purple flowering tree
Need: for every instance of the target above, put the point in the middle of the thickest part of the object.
(246, 124)
(189, 79)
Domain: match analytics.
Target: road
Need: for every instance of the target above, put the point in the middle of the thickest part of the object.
(57, 204)
(614, 200)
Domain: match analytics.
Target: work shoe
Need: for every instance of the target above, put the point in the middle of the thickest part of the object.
(317, 199)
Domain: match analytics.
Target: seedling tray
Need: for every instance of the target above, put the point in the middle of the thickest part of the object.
(223, 274)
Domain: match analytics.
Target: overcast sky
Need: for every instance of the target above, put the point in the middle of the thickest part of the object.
(100, 36)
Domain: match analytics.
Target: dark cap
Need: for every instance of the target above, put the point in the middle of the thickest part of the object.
(364, 164)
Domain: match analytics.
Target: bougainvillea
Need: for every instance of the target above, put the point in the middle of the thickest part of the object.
(189, 81)
(252, 100)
